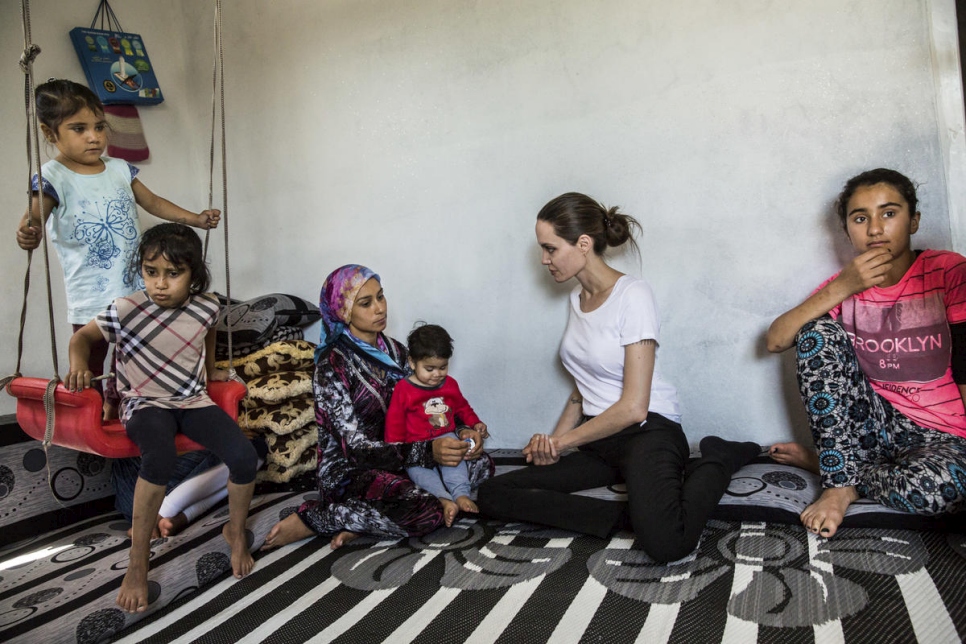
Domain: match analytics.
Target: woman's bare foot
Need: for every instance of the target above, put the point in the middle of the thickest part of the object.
(155, 533)
(466, 504)
(109, 412)
(168, 527)
(288, 530)
(241, 558)
(342, 539)
(825, 515)
(450, 510)
(795, 454)
(133, 595)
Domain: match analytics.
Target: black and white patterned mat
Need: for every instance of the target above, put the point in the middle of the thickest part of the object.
(757, 576)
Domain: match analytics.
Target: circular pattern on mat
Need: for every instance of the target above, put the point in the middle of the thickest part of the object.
(100, 625)
(16, 615)
(91, 539)
(34, 460)
(37, 598)
(90, 464)
(784, 480)
(745, 486)
(6, 480)
(80, 574)
(68, 483)
(211, 566)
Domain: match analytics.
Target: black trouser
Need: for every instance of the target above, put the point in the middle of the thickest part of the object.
(668, 499)
(153, 430)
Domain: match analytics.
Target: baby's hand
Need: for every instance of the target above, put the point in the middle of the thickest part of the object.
(78, 379)
(218, 375)
(481, 428)
(209, 219)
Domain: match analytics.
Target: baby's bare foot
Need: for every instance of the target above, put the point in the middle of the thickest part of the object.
(466, 504)
(450, 510)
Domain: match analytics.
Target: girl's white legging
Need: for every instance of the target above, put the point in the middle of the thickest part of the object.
(197, 495)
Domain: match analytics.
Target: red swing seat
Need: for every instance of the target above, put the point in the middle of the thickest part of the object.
(78, 424)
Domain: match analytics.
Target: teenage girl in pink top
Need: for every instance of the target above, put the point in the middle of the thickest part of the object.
(881, 349)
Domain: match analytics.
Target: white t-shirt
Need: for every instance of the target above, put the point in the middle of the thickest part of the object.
(94, 229)
(592, 349)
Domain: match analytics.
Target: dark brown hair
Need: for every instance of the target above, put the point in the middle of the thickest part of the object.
(179, 245)
(58, 99)
(574, 214)
(429, 341)
(902, 184)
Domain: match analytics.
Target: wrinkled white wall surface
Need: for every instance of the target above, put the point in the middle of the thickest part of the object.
(421, 138)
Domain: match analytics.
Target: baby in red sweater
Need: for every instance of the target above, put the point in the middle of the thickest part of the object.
(428, 405)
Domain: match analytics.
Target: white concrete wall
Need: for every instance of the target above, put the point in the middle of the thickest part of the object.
(421, 137)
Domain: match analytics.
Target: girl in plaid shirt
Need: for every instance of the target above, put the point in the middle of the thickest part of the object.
(165, 346)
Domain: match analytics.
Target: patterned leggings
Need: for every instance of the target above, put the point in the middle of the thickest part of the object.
(863, 441)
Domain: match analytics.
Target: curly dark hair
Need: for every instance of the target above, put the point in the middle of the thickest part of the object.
(178, 244)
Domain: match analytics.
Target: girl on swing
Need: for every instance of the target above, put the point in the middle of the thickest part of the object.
(94, 227)
(165, 347)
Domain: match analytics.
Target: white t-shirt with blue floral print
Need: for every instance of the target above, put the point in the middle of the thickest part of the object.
(94, 229)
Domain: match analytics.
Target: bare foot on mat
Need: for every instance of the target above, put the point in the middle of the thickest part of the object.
(133, 596)
(241, 558)
(288, 530)
(466, 504)
(342, 539)
(825, 515)
(168, 527)
(795, 454)
(450, 510)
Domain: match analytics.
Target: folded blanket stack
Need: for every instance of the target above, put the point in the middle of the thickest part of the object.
(280, 407)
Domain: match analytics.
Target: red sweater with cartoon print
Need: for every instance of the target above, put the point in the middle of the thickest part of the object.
(418, 413)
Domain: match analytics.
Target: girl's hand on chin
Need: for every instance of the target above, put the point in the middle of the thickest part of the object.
(867, 270)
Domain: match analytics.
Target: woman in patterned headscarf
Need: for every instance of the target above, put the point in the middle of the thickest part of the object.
(363, 488)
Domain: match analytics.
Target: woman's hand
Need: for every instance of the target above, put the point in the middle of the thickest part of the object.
(542, 450)
(477, 436)
(450, 451)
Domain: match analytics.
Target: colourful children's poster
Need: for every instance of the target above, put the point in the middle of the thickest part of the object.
(117, 66)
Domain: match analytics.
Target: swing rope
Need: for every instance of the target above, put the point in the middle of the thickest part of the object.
(218, 90)
(30, 53)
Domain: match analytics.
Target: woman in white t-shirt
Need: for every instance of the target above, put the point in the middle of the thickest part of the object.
(622, 417)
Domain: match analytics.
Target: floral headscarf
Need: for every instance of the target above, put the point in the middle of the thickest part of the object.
(338, 295)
